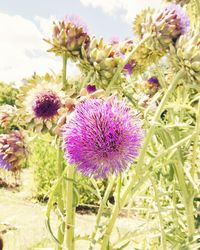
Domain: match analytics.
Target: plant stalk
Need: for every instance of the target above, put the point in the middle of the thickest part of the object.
(64, 72)
(61, 227)
(140, 162)
(120, 67)
(100, 211)
(70, 210)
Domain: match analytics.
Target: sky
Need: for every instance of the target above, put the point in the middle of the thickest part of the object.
(24, 24)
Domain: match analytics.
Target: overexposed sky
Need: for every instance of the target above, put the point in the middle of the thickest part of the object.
(23, 25)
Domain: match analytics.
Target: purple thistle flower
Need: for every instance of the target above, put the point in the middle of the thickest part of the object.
(101, 137)
(114, 40)
(4, 164)
(76, 21)
(184, 23)
(91, 88)
(154, 81)
(46, 105)
(129, 67)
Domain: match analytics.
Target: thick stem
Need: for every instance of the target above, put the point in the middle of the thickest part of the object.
(61, 227)
(116, 208)
(64, 72)
(156, 118)
(100, 212)
(70, 210)
(163, 237)
(187, 199)
(195, 146)
(140, 162)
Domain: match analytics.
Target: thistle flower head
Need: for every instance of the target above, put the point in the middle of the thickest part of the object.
(41, 102)
(100, 59)
(171, 22)
(186, 55)
(46, 105)
(68, 36)
(75, 20)
(102, 136)
(13, 150)
(7, 113)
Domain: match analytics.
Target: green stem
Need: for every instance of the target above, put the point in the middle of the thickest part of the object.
(156, 118)
(195, 146)
(121, 66)
(61, 227)
(198, 10)
(116, 208)
(64, 73)
(100, 211)
(70, 211)
(163, 237)
(187, 198)
(160, 76)
(140, 162)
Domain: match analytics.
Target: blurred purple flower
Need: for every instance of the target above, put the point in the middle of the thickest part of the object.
(76, 21)
(46, 105)
(129, 67)
(102, 137)
(180, 15)
(114, 40)
(154, 81)
(91, 88)
(4, 164)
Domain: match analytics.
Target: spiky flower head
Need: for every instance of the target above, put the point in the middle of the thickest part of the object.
(41, 102)
(102, 136)
(68, 36)
(181, 2)
(164, 26)
(101, 60)
(13, 150)
(7, 114)
(186, 55)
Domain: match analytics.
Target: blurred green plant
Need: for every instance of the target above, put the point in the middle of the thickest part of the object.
(8, 94)
(43, 160)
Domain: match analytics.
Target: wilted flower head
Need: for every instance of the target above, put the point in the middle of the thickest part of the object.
(46, 105)
(7, 113)
(12, 150)
(42, 102)
(102, 136)
(68, 36)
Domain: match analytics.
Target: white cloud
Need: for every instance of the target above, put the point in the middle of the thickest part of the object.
(22, 49)
(130, 7)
